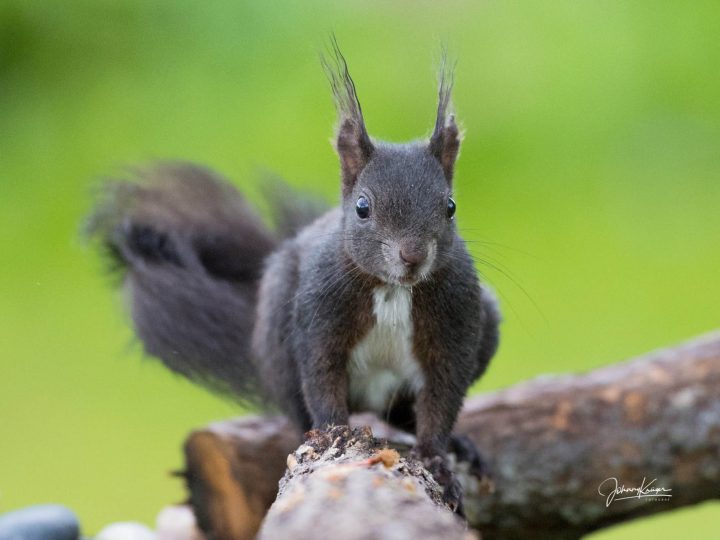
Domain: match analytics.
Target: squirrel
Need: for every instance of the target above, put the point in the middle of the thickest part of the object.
(375, 305)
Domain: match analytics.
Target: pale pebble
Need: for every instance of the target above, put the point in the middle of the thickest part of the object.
(126, 531)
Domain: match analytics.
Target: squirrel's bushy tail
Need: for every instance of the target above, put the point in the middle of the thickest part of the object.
(190, 251)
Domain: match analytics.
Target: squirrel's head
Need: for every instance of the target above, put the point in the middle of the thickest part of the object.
(398, 211)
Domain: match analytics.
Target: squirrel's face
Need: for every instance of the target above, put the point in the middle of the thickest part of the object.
(399, 216)
(397, 209)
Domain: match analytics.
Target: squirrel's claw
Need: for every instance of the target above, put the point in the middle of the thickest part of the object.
(452, 490)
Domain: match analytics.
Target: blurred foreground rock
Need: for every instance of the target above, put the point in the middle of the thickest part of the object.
(128, 530)
(173, 523)
(41, 522)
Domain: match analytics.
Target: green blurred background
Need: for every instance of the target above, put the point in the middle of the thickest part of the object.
(590, 175)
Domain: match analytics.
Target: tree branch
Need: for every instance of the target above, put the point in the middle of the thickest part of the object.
(549, 443)
(343, 483)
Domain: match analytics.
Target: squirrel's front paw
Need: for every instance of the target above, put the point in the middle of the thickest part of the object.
(452, 490)
(466, 451)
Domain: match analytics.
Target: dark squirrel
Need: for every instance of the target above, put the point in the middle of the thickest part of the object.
(373, 306)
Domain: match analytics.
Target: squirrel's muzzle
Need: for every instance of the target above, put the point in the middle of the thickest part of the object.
(413, 255)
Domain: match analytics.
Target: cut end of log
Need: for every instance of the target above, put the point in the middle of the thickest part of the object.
(348, 485)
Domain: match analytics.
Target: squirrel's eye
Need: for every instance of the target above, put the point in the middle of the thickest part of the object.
(451, 208)
(362, 207)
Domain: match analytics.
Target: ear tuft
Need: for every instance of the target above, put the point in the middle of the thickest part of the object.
(353, 142)
(445, 140)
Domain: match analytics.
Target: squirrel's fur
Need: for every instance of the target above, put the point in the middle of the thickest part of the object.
(190, 252)
(374, 305)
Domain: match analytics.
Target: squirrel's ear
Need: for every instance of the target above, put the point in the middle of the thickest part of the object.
(354, 148)
(445, 145)
(353, 142)
(445, 140)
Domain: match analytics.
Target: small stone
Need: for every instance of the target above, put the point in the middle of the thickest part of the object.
(126, 531)
(302, 449)
(41, 522)
(177, 523)
(305, 449)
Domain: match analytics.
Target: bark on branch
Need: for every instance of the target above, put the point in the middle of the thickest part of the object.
(550, 443)
(344, 484)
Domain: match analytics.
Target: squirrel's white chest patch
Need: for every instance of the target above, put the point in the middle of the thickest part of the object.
(382, 363)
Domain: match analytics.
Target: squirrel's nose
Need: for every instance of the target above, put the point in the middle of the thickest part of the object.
(413, 256)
